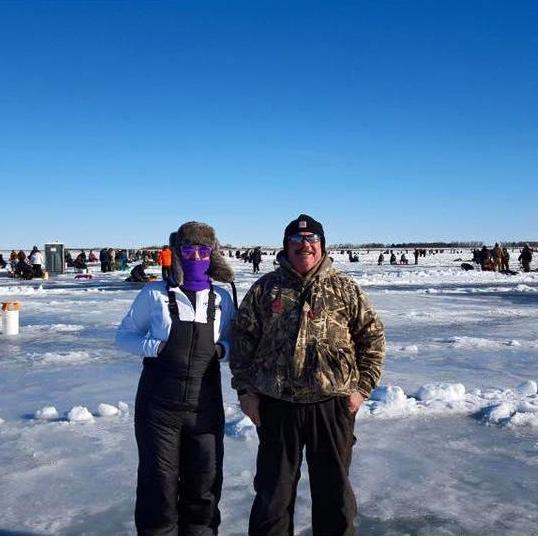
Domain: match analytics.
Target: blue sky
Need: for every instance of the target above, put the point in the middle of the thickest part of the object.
(386, 120)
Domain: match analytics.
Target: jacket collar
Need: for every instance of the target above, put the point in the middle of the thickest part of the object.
(320, 270)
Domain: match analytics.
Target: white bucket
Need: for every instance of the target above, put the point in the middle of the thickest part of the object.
(10, 318)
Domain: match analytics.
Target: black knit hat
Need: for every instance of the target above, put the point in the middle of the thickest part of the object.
(304, 223)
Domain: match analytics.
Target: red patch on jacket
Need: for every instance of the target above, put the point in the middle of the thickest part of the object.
(277, 306)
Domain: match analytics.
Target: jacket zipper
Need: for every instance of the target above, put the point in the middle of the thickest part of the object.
(189, 360)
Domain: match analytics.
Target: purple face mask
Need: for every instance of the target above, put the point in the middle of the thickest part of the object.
(195, 274)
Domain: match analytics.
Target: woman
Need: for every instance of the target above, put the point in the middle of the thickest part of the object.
(181, 327)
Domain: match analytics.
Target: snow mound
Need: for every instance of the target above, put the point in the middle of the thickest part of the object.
(107, 410)
(447, 392)
(123, 407)
(514, 414)
(513, 408)
(471, 342)
(527, 388)
(54, 328)
(69, 357)
(389, 401)
(79, 414)
(411, 349)
(23, 290)
(242, 428)
(48, 412)
(389, 395)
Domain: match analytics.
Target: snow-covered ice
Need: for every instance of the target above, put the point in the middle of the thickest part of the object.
(448, 444)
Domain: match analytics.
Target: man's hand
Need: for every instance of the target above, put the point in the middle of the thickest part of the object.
(354, 402)
(250, 405)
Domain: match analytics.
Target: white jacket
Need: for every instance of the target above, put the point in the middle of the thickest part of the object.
(36, 258)
(148, 321)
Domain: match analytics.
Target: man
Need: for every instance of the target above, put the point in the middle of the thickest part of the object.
(526, 258)
(165, 261)
(256, 259)
(138, 273)
(497, 258)
(307, 349)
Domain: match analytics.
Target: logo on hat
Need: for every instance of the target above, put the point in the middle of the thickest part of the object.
(303, 224)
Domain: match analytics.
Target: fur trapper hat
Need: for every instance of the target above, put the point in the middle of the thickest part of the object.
(198, 233)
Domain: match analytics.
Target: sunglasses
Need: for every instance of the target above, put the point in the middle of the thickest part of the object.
(189, 251)
(299, 238)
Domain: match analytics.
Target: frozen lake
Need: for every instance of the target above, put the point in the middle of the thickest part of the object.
(448, 446)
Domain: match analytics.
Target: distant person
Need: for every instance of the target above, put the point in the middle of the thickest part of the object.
(112, 259)
(256, 258)
(416, 254)
(122, 261)
(526, 258)
(505, 260)
(403, 259)
(24, 270)
(485, 259)
(80, 262)
(92, 257)
(68, 258)
(497, 257)
(165, 261)
(36, 260)
(138, 273)
(181, 328)
(380, 259)
(392, 258)
(3, 262)
(104, 259)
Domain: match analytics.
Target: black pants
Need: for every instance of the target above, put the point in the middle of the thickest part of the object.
(165, 272)
(38, 272)
(175, 444)
(326, 430)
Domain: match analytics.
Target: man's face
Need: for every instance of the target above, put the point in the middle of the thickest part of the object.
(304, 251)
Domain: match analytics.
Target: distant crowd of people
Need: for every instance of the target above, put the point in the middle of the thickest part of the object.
(24, 266)
(32, 265)
(498, 258)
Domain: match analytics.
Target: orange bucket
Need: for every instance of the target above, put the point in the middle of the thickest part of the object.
(9, 307)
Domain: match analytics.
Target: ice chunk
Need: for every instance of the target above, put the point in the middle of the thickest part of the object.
(107, 410)
(525, 419)
(447, 392)
(388, 394)
(527, 388)
(48, 412)
(2, 420)
(79, 414)
(123, 407)
(241, 428)
(499, 412)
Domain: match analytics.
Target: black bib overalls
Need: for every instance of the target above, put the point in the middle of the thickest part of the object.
(179, 428)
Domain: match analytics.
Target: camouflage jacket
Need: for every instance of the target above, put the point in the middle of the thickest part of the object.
(304, 339)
